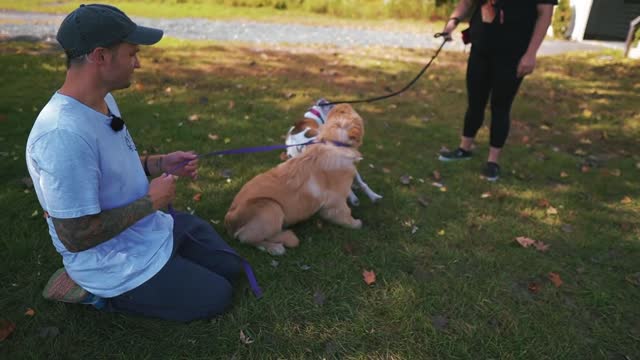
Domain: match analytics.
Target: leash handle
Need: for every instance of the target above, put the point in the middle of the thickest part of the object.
(377, 98)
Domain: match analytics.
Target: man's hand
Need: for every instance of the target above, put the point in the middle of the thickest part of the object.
(526, 65)
(162, 191)
(181, 163)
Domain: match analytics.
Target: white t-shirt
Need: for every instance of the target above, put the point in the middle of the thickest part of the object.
(80, 166)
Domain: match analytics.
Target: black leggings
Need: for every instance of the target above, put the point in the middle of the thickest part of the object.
(489, 72)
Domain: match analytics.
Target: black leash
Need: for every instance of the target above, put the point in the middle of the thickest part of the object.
(437, 35)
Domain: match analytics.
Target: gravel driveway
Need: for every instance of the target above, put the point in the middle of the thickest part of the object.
(44, 26)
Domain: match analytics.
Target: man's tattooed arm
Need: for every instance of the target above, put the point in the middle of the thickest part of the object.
(85, 232)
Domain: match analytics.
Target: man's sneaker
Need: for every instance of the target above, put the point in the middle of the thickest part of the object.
(457, 154)
(491, 171)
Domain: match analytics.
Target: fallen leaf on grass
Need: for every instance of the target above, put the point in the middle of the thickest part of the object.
(585, 168)
(6, 328)
(633, 279)
(533, 287)
(436, 175)
(319, 298)
(441, 232)
(625, 200)
(369, 276)
(197, 197)
(385, 170)
(555, 279)
(245, 339)
(194, 117)
(526, 242)
(543, 203)
(567, 228)
(439, 322)
(422, 200)
(563, 174)
(232, 104)
(30, 312)
(48, 331)
(552, 211)
(485, 195)
(214, 136)
(540, 246)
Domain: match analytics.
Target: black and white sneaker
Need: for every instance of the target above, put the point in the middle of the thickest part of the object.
(457, 154)
(491, 171)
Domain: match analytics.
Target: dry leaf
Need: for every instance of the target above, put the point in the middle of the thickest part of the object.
(443, 189)
(245, 339)
(194, 117)
(587, 113)
(436, 175)
(543, 203)
(422, 200)
(563, 174)
(525, 241)
(385, 170)
(615, 172)
(441, 232)
(227, 140)
(30, 312)
(540, 246)
(485, 195)
(214, 136)
(6, 328)
(555, 279)
(625, 200)
(319, 298)
(552, 211)
(232, 104)
(585, 168)
(197, 197)
(369, 276)
(533, 287)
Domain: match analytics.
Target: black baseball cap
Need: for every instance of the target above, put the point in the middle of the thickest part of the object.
(97, 25)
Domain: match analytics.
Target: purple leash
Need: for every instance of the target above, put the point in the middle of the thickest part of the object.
(248, 270)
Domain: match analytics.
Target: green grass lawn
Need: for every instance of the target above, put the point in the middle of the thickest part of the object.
(451, 280)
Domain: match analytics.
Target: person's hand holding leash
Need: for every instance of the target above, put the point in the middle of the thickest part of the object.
(449, 27)
(162, 191)
(174, 162)
(526, 65)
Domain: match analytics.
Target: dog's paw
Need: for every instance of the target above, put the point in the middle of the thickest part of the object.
(356, 224)
(276, 250)
(353, 200)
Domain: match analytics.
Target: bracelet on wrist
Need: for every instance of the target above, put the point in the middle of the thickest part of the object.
(146, 166)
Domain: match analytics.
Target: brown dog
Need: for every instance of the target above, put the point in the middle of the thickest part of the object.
(318, 180)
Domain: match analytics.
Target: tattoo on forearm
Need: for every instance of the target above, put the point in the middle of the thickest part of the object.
(85, 232)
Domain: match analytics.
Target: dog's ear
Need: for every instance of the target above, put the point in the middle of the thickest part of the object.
(355, 135)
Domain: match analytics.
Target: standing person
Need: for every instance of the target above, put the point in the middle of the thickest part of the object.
(102, 211)
(505, 37)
